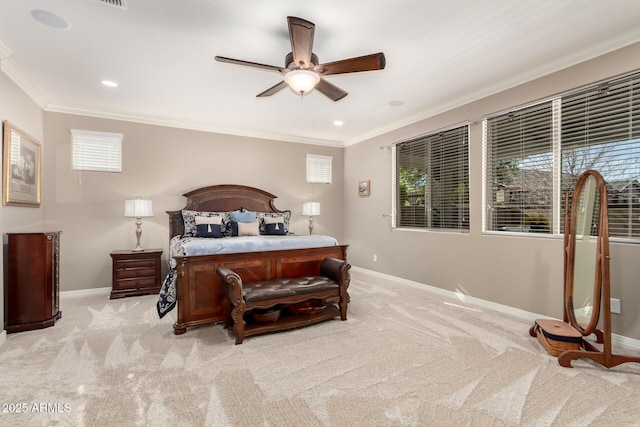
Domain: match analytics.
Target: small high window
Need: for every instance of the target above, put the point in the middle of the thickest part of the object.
(319, 169)
(96, 151)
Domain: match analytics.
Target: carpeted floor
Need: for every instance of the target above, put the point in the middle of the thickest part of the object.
(406, 356)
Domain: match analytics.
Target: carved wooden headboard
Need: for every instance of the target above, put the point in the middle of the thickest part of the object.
(221, 198)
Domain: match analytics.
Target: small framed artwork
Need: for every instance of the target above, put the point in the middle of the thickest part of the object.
(364, 187)
(20, 168)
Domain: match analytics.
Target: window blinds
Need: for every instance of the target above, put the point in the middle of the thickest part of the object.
(534, 156)
(601, 131)
(319, 169)
(519, 147)
(96, 151)
(432, 181)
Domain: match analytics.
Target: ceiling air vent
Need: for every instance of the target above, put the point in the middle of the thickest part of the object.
(122, 4)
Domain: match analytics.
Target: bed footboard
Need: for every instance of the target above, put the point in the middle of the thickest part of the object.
(199, 287)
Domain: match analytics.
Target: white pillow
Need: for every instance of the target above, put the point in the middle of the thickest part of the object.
(248, 228)
(208, 219)
(273, 219)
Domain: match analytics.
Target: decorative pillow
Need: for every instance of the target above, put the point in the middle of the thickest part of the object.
(245, 228)
(243, 216)
(189, 221)
(209, 226)
(274, 229)
(273, 219)
(208, 219)
(284, 217)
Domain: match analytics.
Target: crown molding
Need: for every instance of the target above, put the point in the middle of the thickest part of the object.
(205, 127)
(18, 77)
(5, 52)
(23, 82)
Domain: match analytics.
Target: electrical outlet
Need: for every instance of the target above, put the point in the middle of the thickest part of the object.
(375, 258)
(615, 306)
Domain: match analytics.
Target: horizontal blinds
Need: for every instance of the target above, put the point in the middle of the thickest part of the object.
(319, 169)
(601, 131)
(520, 166)
(412, 170)
(432, 181)
(97, 151)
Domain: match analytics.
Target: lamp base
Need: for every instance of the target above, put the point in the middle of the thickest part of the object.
(138, 248)
(310, 225)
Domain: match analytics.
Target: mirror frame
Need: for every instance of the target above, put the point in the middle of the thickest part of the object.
(602, 253)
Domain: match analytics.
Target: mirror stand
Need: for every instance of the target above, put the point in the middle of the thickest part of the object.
(588, 350)
(587, 282)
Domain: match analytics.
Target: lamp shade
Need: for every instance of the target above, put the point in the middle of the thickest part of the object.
(138, 208)
(301, 81)
(311, 208)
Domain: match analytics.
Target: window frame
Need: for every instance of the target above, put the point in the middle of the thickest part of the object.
(461, 156)
(487, 168)
(619, 108)
(103, 151)
(319, 169)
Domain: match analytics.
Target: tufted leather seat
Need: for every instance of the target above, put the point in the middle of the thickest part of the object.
(278, 288)
(241, 300)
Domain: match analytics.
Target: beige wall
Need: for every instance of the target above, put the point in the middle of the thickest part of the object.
(161, 164)
(522, 272)
(17, 108)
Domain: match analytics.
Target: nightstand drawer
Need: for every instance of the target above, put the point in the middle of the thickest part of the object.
(135, 263)
(142, 282)
(125, 273)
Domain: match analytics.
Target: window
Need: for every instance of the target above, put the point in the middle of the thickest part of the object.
(319, 169)
(97, 151)
(431, 177)
(535, 155)
(519, 147)
(601, 131)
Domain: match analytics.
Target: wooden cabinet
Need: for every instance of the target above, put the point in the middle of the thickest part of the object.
(135, 273)
(33, 281)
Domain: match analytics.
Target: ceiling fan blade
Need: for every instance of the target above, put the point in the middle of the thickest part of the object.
(375, 61)
(301, 35)
(330, 90)
(251, 64)
(272, 90)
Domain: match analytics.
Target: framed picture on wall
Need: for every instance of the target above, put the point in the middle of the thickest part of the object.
(20, 168)
(364, 188)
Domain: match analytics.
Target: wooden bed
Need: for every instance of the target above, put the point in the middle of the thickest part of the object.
(199, 287)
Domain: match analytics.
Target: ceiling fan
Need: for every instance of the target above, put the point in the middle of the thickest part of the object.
(302, 71)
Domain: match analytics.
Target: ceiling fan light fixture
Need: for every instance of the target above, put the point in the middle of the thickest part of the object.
(301, 81)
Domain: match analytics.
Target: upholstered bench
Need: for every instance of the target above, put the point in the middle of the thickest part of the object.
(294, 301)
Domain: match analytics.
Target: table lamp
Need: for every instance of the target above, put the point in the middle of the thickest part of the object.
(138, 208)
(312, 209)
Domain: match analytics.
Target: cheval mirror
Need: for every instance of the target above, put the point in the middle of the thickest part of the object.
(587, 291)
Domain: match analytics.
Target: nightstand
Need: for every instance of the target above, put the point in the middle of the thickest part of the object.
(135, 272)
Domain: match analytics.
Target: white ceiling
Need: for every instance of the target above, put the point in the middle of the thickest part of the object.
(440, 54)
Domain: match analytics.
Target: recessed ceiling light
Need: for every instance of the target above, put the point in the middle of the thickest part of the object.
(338, 122)
(109, 83)
(50, 19)
(396, 103)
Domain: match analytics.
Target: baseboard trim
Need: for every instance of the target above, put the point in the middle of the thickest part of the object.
(84, 292)
(630, 343)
